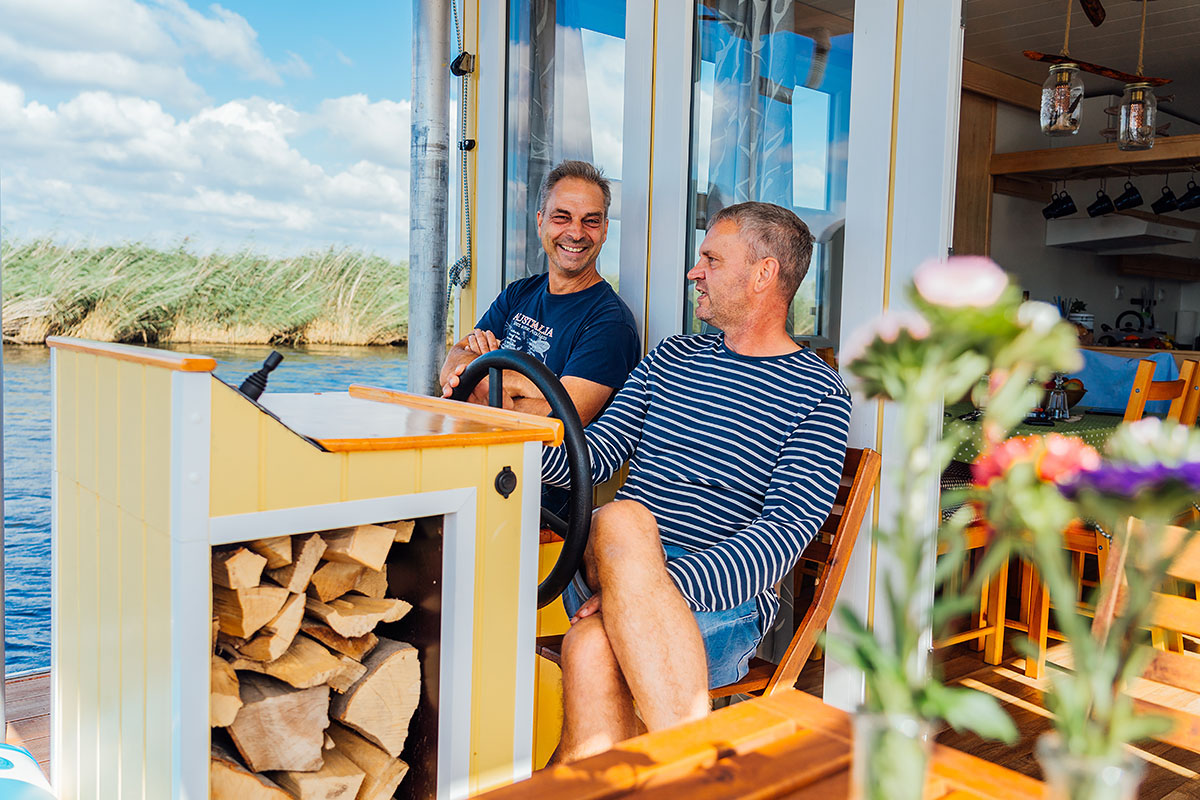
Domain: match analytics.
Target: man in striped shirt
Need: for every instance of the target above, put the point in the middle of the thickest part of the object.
(735, 445)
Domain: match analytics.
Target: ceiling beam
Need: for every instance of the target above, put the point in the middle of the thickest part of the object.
(1001, 86)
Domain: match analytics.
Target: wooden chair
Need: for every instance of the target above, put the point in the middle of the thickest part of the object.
(830, 550)
(987, 630)
(1176, 673)
(1179, 391)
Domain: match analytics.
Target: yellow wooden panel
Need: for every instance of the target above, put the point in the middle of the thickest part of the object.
(86, 432)
(133, 631)
(294, 472)
(108, 655)
(87, 591)
(66, 655)
(131, 421)
(157, 465)
(159, 668)
(233, 484)
(382, 473)
(108, 428)
(497, 589)
(552, 619)
(452, 468)
(66, 380)
(161, 359)
(547, 712)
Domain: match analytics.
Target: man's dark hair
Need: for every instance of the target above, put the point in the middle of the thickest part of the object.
(774, 231)
(575, 169)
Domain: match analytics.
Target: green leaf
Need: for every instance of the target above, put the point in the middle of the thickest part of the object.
(969, 710)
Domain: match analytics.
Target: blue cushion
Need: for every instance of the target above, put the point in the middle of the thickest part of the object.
(1108, 379)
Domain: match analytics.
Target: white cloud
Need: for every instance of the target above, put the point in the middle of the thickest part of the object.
(124, 26)
(102, 167)
(225, 36)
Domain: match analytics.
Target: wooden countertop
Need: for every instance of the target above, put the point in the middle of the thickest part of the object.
(367, 418)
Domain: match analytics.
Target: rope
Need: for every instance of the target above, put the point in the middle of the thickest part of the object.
(1066, 51)
(460, 272)
(1142, 40)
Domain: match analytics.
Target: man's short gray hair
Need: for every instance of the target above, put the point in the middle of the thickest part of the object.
(575, 169)
(776, 232)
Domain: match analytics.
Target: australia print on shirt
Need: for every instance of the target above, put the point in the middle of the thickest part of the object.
(526, 334)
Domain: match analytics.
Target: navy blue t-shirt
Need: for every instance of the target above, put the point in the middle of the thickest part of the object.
(588, 334)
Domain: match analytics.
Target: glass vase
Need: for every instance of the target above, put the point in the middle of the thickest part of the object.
(1074, 777)
(891, 756)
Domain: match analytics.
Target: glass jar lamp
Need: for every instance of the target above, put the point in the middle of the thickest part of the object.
(1139, 108)
(1062, 96)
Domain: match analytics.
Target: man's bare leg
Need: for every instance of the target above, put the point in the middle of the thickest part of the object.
(649, 626)
(597, 707)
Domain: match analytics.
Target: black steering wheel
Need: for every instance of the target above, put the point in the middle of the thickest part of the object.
(579, 505)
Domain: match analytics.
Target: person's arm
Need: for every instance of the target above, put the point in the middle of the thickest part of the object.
(800, 495)
(612, 438)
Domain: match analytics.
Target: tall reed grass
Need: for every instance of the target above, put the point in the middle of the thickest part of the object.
(134, 293)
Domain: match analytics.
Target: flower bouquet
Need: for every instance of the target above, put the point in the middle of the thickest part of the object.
(968, 332)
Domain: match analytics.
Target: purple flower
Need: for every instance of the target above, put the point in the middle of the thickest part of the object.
(1131, 480)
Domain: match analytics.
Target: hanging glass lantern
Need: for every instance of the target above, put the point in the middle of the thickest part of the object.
(1062, 96)
(1139, 107)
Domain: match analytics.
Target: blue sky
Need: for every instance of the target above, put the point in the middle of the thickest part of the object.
(250, 123)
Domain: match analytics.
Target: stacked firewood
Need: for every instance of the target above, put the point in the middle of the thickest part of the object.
(314, 703)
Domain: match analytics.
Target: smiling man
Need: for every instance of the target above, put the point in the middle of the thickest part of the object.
(735, 445)
(569, 318)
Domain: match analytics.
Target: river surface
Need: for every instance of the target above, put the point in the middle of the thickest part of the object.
(27, 459)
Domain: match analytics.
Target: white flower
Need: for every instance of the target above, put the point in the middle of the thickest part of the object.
(961, 281)
(1038, 316)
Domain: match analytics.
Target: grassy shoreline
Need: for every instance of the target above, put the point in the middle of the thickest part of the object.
(135, 293)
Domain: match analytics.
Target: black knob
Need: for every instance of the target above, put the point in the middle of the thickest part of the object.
(506, 482)
(256, 382)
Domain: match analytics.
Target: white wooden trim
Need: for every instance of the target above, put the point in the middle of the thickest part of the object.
(635, 160)
(191, 580)
(488, 214)
(457, 643)
(304, 519)
(56, 710)
(669, 165)
(531, 502)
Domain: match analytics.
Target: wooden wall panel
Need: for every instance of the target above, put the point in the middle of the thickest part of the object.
(973, 186)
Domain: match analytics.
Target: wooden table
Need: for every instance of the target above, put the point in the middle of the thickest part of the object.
(789, 745)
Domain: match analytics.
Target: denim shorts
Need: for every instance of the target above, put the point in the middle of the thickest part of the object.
(730, 637)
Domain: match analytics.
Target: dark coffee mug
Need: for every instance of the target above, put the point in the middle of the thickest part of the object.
(1048, 211)
(1065, 205)
(1130, 198)
(1190, 198)
(1103, 205)
(1168, 202)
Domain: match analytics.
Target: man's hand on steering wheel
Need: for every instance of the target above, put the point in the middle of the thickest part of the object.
(479, 395)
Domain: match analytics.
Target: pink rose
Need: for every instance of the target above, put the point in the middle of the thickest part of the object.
(887, 328)
(960, 281)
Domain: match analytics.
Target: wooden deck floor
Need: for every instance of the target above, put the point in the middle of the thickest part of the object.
(1171, 774)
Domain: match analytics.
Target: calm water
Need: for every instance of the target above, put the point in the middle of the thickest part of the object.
(27, 459)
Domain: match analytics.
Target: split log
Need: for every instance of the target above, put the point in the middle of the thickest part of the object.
(279, 727)
(348, 675)
(216, 629)
(306, 552)
(353, 615)
(305, 664)
(274, 638)
(223, 699)
(384, 773)
(403, 529)
(328, 740)
(241, 612)
(381, 704)
(338, 779)
(356, 647)
(277, 550)
(237, 569)
(333, 579)
(229, 780)
(372, 583)
(365, 545)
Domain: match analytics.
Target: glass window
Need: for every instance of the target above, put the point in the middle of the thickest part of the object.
(566, 100)
(770, 122)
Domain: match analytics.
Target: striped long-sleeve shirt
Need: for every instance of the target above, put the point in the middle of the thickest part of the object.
(737, 457)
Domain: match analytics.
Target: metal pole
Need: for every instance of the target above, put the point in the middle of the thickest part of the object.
(429, 189)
